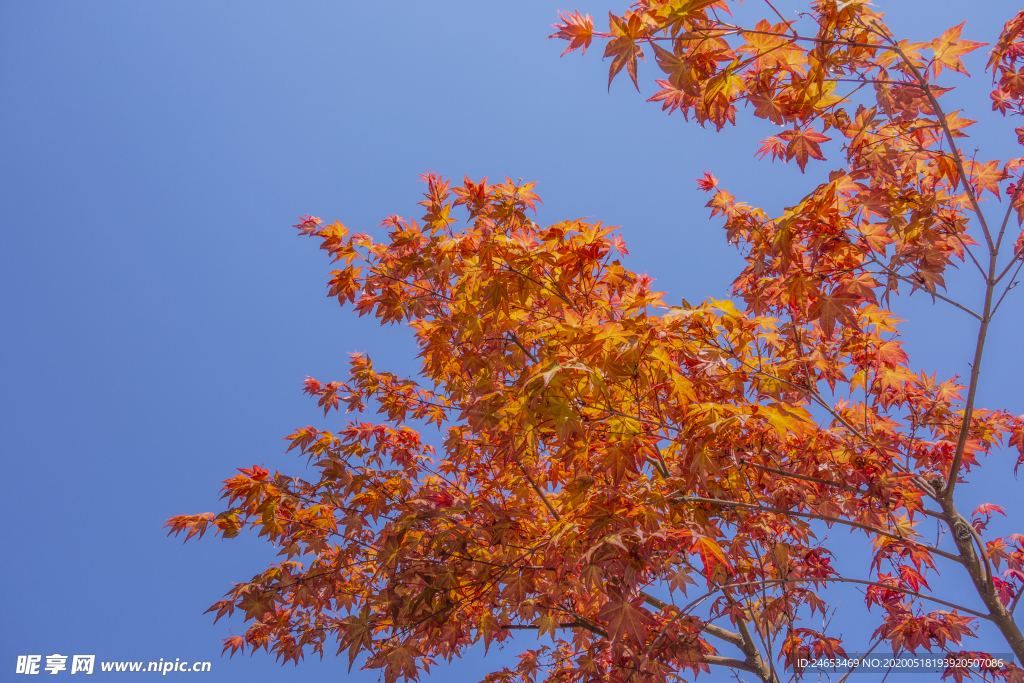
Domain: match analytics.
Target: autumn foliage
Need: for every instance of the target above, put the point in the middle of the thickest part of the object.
(656, 489)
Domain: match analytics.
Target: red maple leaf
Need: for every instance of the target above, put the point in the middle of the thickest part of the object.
(803, 144)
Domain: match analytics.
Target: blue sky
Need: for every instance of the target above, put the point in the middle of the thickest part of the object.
(159, 315)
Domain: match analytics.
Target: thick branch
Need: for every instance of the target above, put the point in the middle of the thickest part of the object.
(999, 614)
(764, 670)
(972, 391)
(710, 629)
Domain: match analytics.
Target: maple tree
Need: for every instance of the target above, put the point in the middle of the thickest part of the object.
(648, 486)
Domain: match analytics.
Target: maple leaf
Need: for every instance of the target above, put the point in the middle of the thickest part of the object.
(803, 143)
(517, 589)
(773, 146)
(235, 644)
(712, 556)
(987, 176)
(890, 354)
(623, 47)
(707, 182)
(489, 626)
(671, 98)
(308, 225)
(985, 510)
(876, 236)
(723, 88)
(1012, 82)
(955, 124)
(578, 29)
(948, 49)
(988, 509)
(626, 619)
(768, 107)
(1001, 101)
(399, 661)
(302, 438)
(837, 307)
(912, 578)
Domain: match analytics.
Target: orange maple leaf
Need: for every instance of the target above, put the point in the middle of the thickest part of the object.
(626, 618)
(948, 49)
(987, 177)
(707, 182)
(773, 146)
(578, 29)
(803, 144)
(837, 307)
(956, 124)
(623, 47)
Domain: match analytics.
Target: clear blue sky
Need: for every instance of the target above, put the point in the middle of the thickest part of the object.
(157, 315)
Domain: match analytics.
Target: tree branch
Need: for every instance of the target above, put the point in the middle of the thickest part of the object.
(824, 518)
(710, 629)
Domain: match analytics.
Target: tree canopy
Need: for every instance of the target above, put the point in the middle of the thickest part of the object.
(645, 485)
